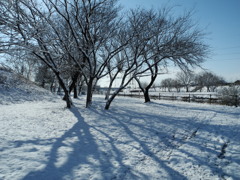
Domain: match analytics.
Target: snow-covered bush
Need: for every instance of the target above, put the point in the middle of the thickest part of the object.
(2, 79)
(230, 95)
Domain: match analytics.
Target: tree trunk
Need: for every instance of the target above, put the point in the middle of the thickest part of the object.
(89, 92)
(109, 101)
(43, 83)
(66, 95)
(75, 92)
(73, 85)
(52, 87)
(208, 89)
(68, 99)
(80, 88)
(146, 95)
(108, 90)
(59, 90)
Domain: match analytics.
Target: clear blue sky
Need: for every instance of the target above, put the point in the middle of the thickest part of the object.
(220, 19)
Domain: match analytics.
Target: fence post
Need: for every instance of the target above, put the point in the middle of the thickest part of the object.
(210, 99)
(189, 98)
(236, 100)
(159, 96)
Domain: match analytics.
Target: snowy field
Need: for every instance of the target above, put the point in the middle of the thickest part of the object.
(133, 140)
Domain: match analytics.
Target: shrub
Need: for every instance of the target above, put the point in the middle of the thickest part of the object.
(2, 79)
(230, 95)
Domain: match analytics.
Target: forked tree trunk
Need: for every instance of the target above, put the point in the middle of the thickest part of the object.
(73, 85)
(109, 101)
(154, 73)
(66, 92)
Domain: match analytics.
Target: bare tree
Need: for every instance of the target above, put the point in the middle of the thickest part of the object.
(185, 79)
(86, 38)
(93, 25)
(158, 37)
(173, 40)
(114, 68)
(167, 84)
(66, 33)
(33, 28)
(134, 54)
(199, 82)
(176, 84)
(208, 80)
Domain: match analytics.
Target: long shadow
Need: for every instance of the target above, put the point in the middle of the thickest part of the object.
(125, 120)
(171, 173)
(82, 147)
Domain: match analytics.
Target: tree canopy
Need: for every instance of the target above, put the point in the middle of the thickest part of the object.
(91, 39)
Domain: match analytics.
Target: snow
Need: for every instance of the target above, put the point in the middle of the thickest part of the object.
(133, 140)
(15, 88)
(41, 139)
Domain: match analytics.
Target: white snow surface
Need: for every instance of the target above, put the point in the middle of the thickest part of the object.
(133, 140)
(14, 88)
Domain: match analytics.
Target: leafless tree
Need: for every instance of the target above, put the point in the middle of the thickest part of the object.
(66, 34)
(176, 84)
(167, 84)
(158, 37)
(93, 25)
(134, 54)
(208, 80)
(171, 39)
(185, 79)
(86, 38)
(114, 68)
(35, 28)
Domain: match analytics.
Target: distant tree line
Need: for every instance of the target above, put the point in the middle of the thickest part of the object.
(75, 41)
(204, 79)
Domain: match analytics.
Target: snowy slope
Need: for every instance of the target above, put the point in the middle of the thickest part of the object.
(15, 88)
(133, 140)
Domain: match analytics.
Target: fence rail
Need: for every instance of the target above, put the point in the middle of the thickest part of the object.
(232, 100)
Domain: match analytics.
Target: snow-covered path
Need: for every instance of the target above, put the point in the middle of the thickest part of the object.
(133, 140)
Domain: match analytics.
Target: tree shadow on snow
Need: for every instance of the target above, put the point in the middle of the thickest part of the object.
(123, 120)
(104, 158)
(81, 150)
(129, 121)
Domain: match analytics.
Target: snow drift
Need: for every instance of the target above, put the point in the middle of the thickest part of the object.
(15, 88)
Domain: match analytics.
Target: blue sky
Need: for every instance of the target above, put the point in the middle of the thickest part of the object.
(220, 19)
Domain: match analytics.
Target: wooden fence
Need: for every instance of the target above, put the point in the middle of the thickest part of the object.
(232, 100)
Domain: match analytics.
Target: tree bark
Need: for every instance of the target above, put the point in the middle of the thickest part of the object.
(73, 85)
(146, 95)
(66, 92)
(109, 101)
(108, 90)
(75, 92)
(89, 92)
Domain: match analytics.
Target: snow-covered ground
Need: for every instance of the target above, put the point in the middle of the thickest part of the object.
(132, 140)
(14, 88)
